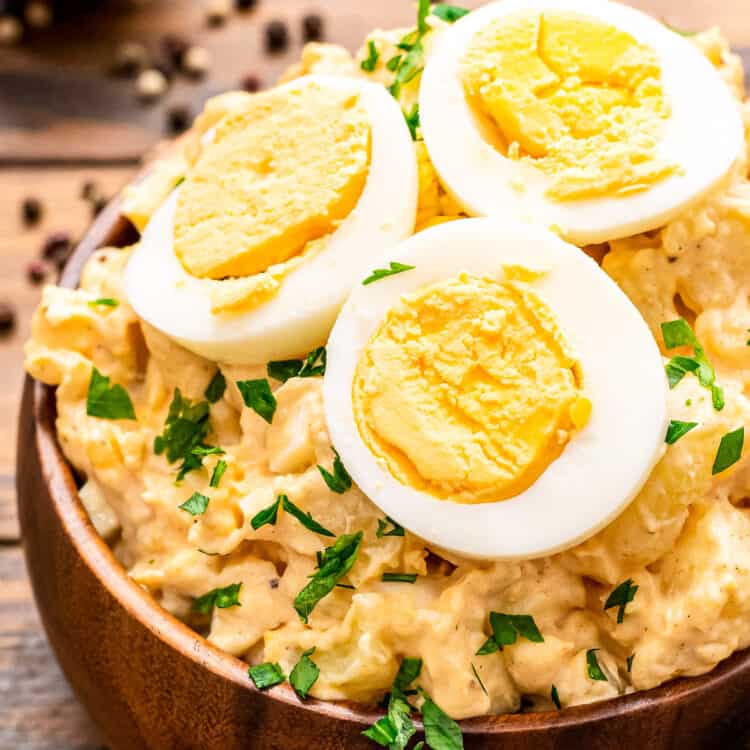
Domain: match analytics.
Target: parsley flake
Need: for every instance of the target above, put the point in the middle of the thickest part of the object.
(340, 481)
(215, 389)
(440, 731)
(488, 647)
(305, 519)
(393, 63)
(449, 13)
(629, 662)
(221, 598)
(506, 628)
(593, 669)
(314, 364)
(678, 429)
(267, 516)
(104, 302)
(412, 121)
(196, 504)
(218, 473)
(620, 597)
(479, 679)
(257, 396)
(399, 578)
(730, 450)
(335, 563)
(370, 62)
(553, 694)
(383, 529)
(410, 64)
(106, 401)
(304, 674)
(266, 675)
(381, 273)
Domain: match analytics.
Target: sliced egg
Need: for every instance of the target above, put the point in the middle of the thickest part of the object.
(498, 395)
(252, 257)
(585, 116)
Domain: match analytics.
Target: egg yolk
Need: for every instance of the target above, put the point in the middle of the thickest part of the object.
(578, 99)
(468, 390)
(280, 173)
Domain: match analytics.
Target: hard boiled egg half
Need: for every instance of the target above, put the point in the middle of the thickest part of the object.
(494, 391)
(583, 115)
(250, 259)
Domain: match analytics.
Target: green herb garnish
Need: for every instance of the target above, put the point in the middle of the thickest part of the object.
(399, 578)
(196, 504)
(266, 675)
(730, 450)
(381, 273)
(678, 429)
(629, 662)
(104, 302)
(371, 61)
(393, 63)
(218, 473)
(267, 516)
(314, 364)
(304, 674)
(449, 13)
(412, 121)
(383, 530)
(592, 666)
(215, 389)
(506, 628)
(179, 182)
(106, 401)
(490, 646)
(220, 598)
(410, 64)
(304, 518)
(679, 333)
(335, 563)
(440, 731)
(555, 698)
(479, 679)
(257, 396)
(340, 481)
(620, 597)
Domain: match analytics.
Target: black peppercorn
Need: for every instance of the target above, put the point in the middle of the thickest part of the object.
(312, 28)
(7, 319)
(246, 4)
(36, 272)
(277, 36)
(178, 119)
(250, 83)
(57, 243)
(173, 48)
(31, 210)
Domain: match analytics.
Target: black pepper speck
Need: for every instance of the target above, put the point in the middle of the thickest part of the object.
(277, 36)
(7, 319)
(31, 211)
(312, 27)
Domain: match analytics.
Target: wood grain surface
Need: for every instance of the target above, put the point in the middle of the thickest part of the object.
(64, 120)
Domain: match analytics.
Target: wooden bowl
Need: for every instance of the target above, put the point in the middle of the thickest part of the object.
(151, 683)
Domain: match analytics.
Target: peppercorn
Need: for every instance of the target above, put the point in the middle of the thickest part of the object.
(57, 243)
(36, 272)
(178, 118)
(245, 5)
(7, 319)
(98, 205)
(312, 28)
(89, 190)
(277, 36)
(250, 83)
(151, 84)
(196, 61)
(130, 58)
(174, 47)
(31, 211)
(217, 12)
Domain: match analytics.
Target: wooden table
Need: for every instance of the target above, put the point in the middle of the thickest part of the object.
(64, 121)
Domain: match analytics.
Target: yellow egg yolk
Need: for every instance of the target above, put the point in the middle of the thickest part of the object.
(578, 99)
(280, 173)
(468, 390)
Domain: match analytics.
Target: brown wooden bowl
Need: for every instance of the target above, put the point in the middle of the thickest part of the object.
(151, 683)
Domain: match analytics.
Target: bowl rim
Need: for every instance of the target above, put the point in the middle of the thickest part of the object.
(108, 230)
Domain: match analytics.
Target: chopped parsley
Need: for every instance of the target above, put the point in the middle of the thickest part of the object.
(620, 597)
(304, 674)
(314, 364)
(335, 563)
(220, 598)
(449, 13)
(396, 728)
(215, 389)
(593, 669)
(399, 578)
(370, 62)
(629, 662)
(179, 182)
(440, 731)
(381, 273)
(196, 504)
(266, 675)
(218, 473)
(730, 450)
(257, 396)
(479, 679)
(553, 694)
(104, 302)
(185, 429)
(506, 629)
(678, 429)
(267, 516)
(393, 63)
(107, 401)
(679, 333)
(412, 121)
(304, 518)
(490, 646)
(411, 63)
(340, 481)
(383, 530)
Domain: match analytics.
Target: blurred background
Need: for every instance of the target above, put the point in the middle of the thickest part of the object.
(88, 88)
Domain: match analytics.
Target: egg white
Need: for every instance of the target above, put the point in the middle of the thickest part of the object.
(300, 315)
(703, 135)
(603, 466)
